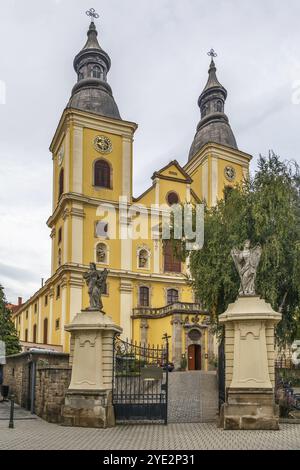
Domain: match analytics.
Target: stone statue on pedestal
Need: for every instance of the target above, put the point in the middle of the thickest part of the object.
(96, 281)
(246, 262)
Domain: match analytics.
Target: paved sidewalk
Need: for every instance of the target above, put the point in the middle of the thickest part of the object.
(19, 413)
(193, 397)
(38, 434)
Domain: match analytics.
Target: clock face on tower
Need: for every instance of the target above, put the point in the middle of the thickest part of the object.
(103, 144)
(229, 173)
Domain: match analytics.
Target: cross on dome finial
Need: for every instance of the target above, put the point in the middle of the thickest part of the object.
(92, 14)
(212, 53)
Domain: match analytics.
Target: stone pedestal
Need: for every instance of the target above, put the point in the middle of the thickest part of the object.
(249, 370)
(88, 401)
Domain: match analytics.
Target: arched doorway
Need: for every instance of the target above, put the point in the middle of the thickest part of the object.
(194, 357)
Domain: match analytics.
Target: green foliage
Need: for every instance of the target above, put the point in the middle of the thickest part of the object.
(8, 333)
(265, 210)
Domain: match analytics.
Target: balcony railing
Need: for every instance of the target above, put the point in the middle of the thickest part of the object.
(176, 307)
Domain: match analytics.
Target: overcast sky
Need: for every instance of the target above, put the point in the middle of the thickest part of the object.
(159, 67)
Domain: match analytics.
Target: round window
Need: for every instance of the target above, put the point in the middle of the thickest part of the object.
(172, 198)
(194, 335)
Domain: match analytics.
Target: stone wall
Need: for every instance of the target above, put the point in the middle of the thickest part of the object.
(51, 385)
(52, 378)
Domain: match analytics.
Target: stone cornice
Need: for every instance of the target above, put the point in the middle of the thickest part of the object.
(92, 121)
(227, 153)
(75, 269)
(76, 197)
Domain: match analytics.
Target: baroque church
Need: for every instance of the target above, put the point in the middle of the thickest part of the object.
(146, 292)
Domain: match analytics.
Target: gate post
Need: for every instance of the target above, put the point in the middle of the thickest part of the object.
(88, 401)
(249, 365)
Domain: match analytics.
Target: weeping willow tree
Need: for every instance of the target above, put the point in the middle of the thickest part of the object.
(265, 210)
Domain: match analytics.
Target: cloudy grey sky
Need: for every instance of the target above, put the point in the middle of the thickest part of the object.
(159, 67)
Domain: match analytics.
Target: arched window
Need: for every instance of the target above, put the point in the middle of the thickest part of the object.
(61, 183)
(144, 296)
(101, 253)
(172, 296)
(171, 262)
(143, 259)
(218, 106)
(102, 174)
(34, 334)
(96, 71)
(45, 336)
(26, 335)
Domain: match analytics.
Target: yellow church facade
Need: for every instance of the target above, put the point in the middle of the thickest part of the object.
(147, 292)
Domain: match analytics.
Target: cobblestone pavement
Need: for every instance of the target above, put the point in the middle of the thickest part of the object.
(193, 397)
(37, 434)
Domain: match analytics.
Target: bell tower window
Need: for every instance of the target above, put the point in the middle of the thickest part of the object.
(96, 72)
(218, 106)
(61, 183)
(102, 174)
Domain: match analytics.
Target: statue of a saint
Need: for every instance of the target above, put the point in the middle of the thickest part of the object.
(95, 281)
(246, 262)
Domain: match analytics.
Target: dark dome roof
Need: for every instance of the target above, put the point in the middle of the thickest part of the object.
(214, 125)
(216, 131)
(95, 98)
(92, 92)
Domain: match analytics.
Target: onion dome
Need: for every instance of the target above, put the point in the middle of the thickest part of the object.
(214, 125)
(92, 92)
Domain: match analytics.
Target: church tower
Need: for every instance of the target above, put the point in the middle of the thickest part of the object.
(214, 161)
(92, 165)
(146, 292)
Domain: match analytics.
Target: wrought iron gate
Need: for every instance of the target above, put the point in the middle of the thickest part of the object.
(140, 382)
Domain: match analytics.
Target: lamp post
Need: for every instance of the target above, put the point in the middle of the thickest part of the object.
(11, 415)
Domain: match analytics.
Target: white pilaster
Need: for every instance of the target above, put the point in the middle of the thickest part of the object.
(51, 294)
(39, 322)
(126, 168)
(126, 309)
(214, 180)
(53, 185)
(22, 327)
(188, 193)
(53, 267)
(67, 161)
(77, 159)
(77, 233)
(126, 241)
(63, 314)
(155, 229)
(75, 295)
(30, 324)
(205, 181)
(65, 240)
